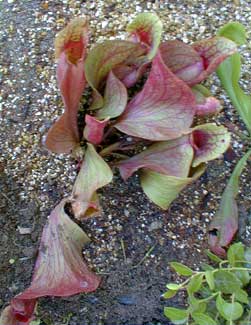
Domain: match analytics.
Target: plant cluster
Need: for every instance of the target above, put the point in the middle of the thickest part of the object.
(163, 80)
(221, 294)
(216, 295)
(225, 222)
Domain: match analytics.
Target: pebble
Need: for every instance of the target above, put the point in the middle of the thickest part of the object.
(127, 300)
(155, 225)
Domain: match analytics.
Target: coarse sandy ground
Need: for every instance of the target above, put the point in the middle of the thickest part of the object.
(32, 180)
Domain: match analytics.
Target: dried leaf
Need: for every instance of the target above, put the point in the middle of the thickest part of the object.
(60, 137)
(94, 174)
(59, 270)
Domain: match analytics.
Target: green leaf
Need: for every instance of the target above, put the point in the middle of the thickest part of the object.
(210, 141)
(225, 221)
(181, 269)
(235, 32)
(235, 252)
(200, 89)
(226, 282)
(169, 294)
(213, 257)
(163, 189)
(210, 279)
(241, 296)
(246, 320)
(229, 311)
(229, 73)
(196, 305)
(203, 319)
(177, 316)
(243, 276)
(195, 283)
(206, 267)
(173, 286)
(148, 28)
(247, 256)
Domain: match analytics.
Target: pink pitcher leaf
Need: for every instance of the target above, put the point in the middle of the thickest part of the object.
(209, 142)
(94, 174)
(182, 60)
(172, 157)
(94, 129)
(195, 63)
(147, 28)
(210, 106)
(163, 110)
(225, 222)
(115, 98)
(105, 57)
(73, 40)
(205, 103)
(223, 229)
(130, 75)
(213, 51)
(70, 50)
(20, 312)
(71, 80)
(163, 189)
(86, 209)
(60, 269)
(60, 138)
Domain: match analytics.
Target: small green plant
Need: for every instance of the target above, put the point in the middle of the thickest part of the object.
(215, 295)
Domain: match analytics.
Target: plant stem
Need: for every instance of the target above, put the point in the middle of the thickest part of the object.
(233, 269)
(210, 297)
(232, 300)
(106, 151)
(123, 249)
(145, 257)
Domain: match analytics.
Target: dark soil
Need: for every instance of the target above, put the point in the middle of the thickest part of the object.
(134, 277)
